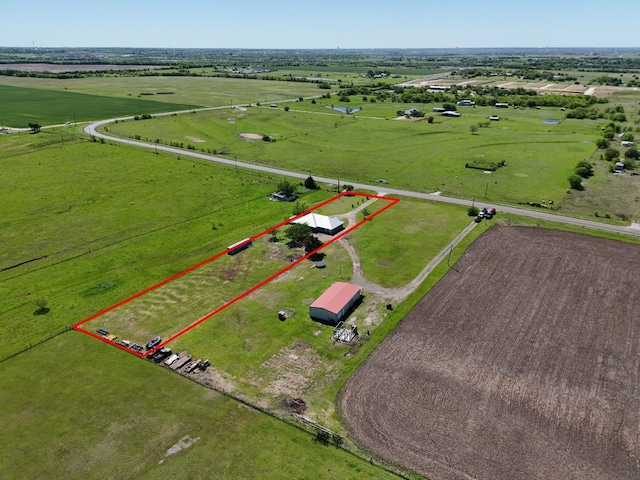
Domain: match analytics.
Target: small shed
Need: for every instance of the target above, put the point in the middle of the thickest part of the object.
(619, 168)
(335, 303)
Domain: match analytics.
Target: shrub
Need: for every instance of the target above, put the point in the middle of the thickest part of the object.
(584, 169)
(575, 182)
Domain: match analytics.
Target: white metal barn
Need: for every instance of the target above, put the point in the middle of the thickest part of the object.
(321, 223)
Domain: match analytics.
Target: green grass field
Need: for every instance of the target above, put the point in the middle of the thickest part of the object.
(21, 106)
(87, 224)
(98, 214)
(74, 408)
(407, 154)
(50, 101)
(112, 221)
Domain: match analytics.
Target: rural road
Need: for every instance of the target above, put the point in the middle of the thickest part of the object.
(92, 129)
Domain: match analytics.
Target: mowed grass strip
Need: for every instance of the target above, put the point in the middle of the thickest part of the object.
(21, 106)
(74, 408)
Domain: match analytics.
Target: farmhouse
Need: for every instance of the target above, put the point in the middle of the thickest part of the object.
(466, 103)
(321, 223)
(450, 113)
(501, 105)
(334, 304)
(410, 112)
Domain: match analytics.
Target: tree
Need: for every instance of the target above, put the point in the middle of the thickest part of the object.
(575, 181)
(611, 154)
(286, 109)
(41, 303)
(632, 154)
(298, 233)
(602, 143)
(286, 187)
(627, 137)
(311, 243)
(473, 211)
(584, 169)
(430, 119)
(35, 127)
(473, 129)
(310, 183)
(299, 207)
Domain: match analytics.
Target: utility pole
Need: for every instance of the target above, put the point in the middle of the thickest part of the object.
(485, 190)
(473, 201)
(449, 259)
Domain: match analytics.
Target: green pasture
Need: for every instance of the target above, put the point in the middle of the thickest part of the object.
(410, 154)
(101, 222)
(86, 225)
(177, 92)
(21, 106)
(420, 231)
(75, 408)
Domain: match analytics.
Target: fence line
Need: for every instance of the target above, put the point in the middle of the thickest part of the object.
(39, 342)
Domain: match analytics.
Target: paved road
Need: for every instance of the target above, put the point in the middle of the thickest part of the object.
(92, 129)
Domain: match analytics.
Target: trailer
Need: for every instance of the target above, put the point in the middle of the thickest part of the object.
(239, 246)
(180, 362)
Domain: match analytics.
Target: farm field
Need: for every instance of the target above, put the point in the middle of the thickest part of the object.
(175, 91)
(407, 154)
(21, 106)
(521, 363)
(75, 408)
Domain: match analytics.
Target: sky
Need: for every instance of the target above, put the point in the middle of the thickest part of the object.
(300, 24)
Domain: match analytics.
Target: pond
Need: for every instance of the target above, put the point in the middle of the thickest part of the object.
(347, 110)
(549, 121)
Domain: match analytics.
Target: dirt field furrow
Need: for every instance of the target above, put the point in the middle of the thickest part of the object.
(522, 363)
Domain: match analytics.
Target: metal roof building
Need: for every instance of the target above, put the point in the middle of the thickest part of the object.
(321, 223)
(335, 302)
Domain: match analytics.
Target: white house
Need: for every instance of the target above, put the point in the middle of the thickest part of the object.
(321, 223)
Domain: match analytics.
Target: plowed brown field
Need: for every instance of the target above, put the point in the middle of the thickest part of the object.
(523, 363)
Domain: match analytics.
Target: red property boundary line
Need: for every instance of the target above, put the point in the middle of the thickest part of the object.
(79, 326)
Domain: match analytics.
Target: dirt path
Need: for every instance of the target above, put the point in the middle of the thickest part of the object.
(397, 294)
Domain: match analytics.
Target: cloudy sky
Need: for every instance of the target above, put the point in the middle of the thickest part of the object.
(320, 24)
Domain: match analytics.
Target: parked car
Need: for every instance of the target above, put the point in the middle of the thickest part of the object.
(478, 218)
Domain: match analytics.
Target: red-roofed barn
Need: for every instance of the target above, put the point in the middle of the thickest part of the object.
(335, 302)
